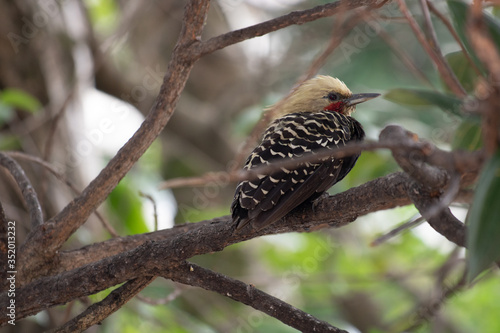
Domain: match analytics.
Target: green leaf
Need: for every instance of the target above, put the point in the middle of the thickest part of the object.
(468, 136)
(484, 220)
(446, 102)
(19, 99)
(462, 69)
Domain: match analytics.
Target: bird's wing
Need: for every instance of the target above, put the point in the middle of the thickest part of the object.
(357, 134)
(289, 200)
(270, 197)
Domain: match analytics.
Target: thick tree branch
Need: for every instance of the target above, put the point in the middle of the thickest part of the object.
(338, 210)
(441, 219)
(194, 275)
(412, 161)
(134, 256)
(49, 277)
(41, 243)
(187, 51)
(432, 191)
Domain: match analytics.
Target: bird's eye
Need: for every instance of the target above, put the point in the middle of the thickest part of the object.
(333, 96)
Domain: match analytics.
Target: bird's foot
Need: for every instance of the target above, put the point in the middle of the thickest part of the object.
(316, 202)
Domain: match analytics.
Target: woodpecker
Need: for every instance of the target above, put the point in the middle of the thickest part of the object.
(315, 116)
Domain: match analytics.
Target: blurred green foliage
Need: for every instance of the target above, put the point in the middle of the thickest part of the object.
(126, 205)
(11, 100)
(104, 14)
(16, 99)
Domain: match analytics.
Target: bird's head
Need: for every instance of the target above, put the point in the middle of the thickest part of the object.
(322, 93)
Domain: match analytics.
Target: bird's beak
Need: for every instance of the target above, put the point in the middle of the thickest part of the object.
(360, 98)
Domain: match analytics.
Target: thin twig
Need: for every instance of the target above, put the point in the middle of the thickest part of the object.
(117, 260)
(155, 211)
(97, 312)
(455, 36)
(401, 54)
(266, 169)
(54, 122)
(426, 311)
(27, 190)
(293, 18)
(487, 93)
(62, 178)
(412, 223)
(45, 164)
(342, 26)
(444, 70)
(396, 138)
(4, 248)
(248, 294)
(442, 220)
(161, 301)
(429, 27)
(64, 224)
(297, 17)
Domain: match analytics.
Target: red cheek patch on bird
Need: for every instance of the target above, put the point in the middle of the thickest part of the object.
(336, 106)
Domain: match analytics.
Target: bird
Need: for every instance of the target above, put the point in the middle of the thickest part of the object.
(315, 116)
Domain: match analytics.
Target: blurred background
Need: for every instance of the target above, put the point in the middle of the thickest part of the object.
(78, 76)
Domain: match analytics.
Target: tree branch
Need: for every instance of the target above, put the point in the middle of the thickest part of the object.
(293, 18)
(194, 275)
(41, 244)
(115, 261)
(412, 161)
(439, 218)
(188, 50)
(62, 178)
(49, 277)
(455, 36)
(432, 191)
(488, 94)
(102, 265)
(24, 184)
(97, 312)
(382, 193)
(442, 66)
(139, 255)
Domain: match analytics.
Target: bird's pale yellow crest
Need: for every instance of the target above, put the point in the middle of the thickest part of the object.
(312, 96)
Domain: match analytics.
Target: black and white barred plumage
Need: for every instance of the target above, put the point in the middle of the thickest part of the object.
(268, 198)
